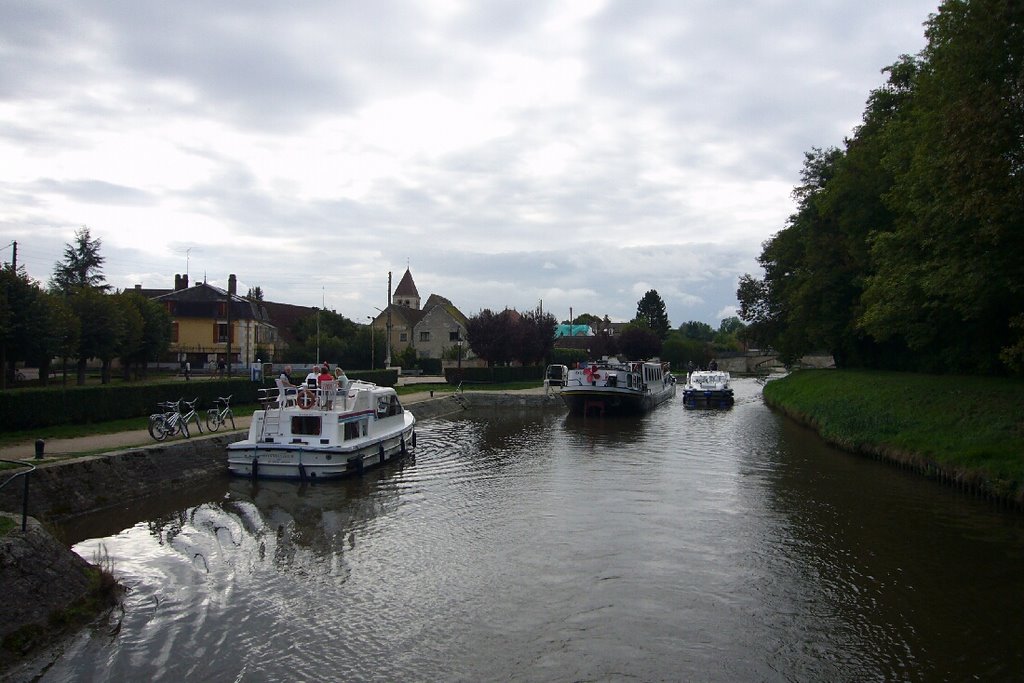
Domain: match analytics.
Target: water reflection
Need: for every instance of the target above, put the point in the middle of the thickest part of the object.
(709, 545)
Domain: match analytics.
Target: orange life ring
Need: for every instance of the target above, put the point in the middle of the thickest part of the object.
(306, 399)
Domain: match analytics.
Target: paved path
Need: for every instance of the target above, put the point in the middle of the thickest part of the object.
(98, 443)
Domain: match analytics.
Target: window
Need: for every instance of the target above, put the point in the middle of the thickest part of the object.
(306, 424)
(403, 337)
(222, 332)
(424, 336)
(174, 332)
(453, 336)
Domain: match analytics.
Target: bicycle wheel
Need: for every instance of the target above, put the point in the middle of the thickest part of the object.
(158, 427)
(212, 419)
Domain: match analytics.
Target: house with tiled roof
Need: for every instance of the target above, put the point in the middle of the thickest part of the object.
(209, 323)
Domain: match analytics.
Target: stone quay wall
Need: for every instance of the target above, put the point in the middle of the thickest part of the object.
(66, 488)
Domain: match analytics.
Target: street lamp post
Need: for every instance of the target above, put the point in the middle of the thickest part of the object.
(458, 343)
(370, 318)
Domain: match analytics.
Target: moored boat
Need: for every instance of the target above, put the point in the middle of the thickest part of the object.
(708, 389)
(610, 386)
(325, 432)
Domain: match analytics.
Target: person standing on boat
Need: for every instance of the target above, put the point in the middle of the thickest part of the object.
(713, 365)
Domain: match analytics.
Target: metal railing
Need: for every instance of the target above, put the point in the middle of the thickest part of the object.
(24, 495)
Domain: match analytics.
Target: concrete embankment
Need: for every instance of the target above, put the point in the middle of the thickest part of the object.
(65, 488)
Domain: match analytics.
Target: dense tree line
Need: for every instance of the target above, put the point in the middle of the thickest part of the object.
(331, 337)
(906, 250)
(75, 318)
(507, 336)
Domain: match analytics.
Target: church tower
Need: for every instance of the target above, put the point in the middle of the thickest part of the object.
(406, 293)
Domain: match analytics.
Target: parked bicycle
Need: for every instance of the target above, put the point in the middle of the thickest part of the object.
(192, 415)
(220, 413)
(169, 422)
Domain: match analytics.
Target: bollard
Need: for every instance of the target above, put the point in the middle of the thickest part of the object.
(431, 393)
(40, 444)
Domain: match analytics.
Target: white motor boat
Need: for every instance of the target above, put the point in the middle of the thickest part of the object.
(324, 432)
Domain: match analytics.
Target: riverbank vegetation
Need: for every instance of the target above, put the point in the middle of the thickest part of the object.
(906, 251)
(966, 428)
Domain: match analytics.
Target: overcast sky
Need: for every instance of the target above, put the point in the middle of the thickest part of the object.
(575, 153)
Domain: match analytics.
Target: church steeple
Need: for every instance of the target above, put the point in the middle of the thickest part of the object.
(406, 293)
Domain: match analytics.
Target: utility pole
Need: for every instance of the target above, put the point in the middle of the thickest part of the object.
(229, 330)
(14, 257)
(387, 351)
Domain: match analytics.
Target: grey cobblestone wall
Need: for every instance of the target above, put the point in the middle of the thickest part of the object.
(66, 488)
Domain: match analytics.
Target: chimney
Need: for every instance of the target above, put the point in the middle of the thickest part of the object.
(232, 284)
(138, 288)
(177, 282)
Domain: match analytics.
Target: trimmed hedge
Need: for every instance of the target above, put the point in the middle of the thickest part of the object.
(30, 408)
(55, 405)
(495, 375)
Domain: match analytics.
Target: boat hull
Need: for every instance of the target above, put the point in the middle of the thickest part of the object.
(708, 398)
(587, 400)
(287, 461)
(708, 389)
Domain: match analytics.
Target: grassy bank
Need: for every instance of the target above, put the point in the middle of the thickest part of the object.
(968, 429)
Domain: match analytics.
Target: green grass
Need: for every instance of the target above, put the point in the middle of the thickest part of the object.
(963, 424)
(6, 525)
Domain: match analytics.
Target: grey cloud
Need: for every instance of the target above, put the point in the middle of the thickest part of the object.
(95, 192)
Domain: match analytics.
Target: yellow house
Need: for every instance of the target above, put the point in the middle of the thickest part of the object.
(208, 324)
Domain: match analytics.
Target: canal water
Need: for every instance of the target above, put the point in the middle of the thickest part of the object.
(685, 545)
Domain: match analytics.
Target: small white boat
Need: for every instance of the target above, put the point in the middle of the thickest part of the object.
(708, 389)
(324, 432)
(612, 386)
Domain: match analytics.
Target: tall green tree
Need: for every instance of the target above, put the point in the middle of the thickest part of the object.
(651, 310)
(536, 337)
(33, 323)
(147, 332)
(82, 265)
(950, 278)
(102, 329)
(494, 336)
(639, 342)
(695, 329)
